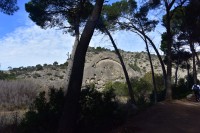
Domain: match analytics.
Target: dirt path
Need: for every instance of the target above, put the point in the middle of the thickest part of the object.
(174, 117)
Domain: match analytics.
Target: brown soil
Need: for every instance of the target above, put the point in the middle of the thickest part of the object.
(180, 116)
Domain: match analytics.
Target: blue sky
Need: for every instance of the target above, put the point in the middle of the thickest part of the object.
(22, 43)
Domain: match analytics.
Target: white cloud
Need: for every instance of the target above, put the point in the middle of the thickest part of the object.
(125, 40)
(31, 45)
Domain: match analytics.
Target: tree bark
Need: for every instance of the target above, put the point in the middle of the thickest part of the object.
(76, 42)
(152, 71)
(198, 62)
(176, 74)
(169, 53)
(123, 67)
(70, 63)
(160, 59)
(69, 119)
(188, 74)
(194, 63)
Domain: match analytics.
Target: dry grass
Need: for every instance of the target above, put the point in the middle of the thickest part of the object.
(16, 94)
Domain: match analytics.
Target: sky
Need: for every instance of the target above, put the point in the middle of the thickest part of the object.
(23, 43)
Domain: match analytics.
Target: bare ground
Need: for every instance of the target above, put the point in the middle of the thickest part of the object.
(179, 116)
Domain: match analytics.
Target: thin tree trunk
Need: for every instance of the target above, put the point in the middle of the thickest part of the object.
(123, 67)
(152, 71)
(154, 47)
(69, 119)
(188, 74)
(198, 62)
(160, 59)
(194, 63)
(176, 73)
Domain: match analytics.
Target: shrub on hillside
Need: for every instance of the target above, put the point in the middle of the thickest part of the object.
(135, 67)
(6, 76)
(119, 88)
(39, 67)
(55, 63)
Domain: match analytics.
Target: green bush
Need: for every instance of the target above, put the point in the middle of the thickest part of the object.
(119, 88)
(43, 115)
(6, 76)
(98, 111)
(181, 90)
(135, 67)
(160, 96)
(142, 90)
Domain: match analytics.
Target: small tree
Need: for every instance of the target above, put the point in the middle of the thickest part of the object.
(39, 67)
(55, 63)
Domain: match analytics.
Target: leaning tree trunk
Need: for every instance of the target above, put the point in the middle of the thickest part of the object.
(154, 47)
(76, 42)
(68, 121)
(70, 62)
(160, 59)
(152, 71)
(123, 67)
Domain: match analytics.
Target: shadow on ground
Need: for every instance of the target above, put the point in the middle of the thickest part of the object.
(179, 116)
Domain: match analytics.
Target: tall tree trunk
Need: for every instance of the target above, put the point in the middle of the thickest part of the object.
(169, 53)
(70, 63)
(168, 5)
(123, 67)
(76, 42)
(152, 72)
(194, 63)
(69, 119)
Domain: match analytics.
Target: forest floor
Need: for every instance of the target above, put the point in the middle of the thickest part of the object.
(179, 116)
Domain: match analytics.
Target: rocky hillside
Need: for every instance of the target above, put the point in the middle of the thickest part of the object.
(101, 66)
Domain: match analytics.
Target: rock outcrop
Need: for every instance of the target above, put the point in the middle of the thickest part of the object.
(104, 67)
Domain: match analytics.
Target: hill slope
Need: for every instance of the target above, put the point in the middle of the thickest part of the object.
(101, 66)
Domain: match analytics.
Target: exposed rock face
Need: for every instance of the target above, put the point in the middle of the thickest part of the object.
(105, 67)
